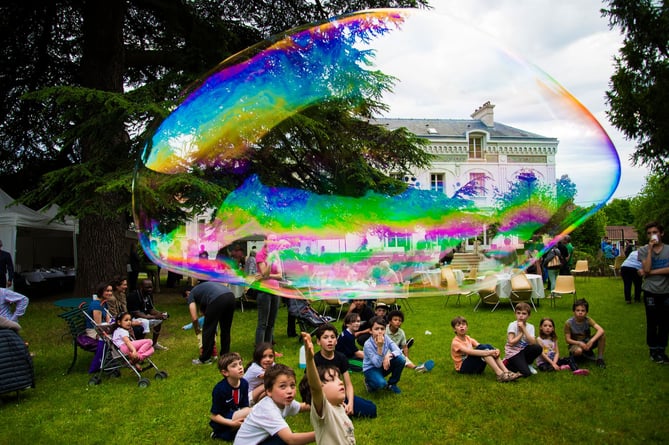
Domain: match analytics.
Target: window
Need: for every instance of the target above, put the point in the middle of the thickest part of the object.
(437, 182)
(399, 240)
(477, 180)
(475, 147)
(201, 226)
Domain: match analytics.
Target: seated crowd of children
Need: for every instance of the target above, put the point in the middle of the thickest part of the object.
(250, 407)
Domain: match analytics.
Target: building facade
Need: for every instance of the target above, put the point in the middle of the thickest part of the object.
(479, 152)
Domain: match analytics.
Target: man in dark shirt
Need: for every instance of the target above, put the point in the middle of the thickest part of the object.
(217, 302)
(140, 305)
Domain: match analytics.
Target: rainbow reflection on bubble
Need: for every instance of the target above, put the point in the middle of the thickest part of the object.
(224, 116)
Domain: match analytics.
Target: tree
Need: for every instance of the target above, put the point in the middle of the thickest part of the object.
(618, 212)
(85, 81)
(651, 204)
(640, 84)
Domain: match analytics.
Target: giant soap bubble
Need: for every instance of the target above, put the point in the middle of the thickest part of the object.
(442, 70)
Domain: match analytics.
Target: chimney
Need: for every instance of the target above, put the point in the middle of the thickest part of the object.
(485, 114)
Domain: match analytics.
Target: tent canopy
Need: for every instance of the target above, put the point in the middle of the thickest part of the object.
(32, 238)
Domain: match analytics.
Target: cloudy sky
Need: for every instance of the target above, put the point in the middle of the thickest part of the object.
(567, 39)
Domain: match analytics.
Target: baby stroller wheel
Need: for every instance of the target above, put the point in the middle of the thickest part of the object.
(94, 381)
(160, 375)
(143, 382)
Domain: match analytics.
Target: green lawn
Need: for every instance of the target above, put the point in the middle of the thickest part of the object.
(625, 403)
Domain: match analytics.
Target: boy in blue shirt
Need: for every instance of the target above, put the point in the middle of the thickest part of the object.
(229, 399)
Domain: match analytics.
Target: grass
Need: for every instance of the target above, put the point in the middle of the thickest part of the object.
(625, 403)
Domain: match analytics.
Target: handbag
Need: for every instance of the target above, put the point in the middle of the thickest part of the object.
(554, 262)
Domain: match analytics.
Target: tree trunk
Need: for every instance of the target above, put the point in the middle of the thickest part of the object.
(102, 247)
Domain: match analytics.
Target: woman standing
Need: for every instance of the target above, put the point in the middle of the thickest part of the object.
(271, 271)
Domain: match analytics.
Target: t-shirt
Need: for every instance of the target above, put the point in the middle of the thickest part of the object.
(547, 347)
(339, 360)
(117, 337)
(579, 331)
(265, 420)
(333, 427)
(511, 350)
(458, 346)
(225, 400)
(252, 375)
(398, 337)
(205, 293)
(656, 284)
(346, 344)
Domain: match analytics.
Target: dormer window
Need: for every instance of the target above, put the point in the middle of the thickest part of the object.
(475, 146)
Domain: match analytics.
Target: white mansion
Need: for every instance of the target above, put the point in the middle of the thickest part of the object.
(479, 151)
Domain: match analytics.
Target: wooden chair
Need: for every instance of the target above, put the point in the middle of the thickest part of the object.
(581, 268)
(521, 290)
(564, 284)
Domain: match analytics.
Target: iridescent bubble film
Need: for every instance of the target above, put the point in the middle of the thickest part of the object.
(372, 245)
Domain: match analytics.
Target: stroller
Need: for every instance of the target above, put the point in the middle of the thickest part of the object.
(109, 359)
(307, 317)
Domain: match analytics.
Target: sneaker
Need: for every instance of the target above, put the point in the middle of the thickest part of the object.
(158, 347)
(198, 362)
(425, 367)
(532, 370)
(394, 389)
(410, 342)
(662, 358)
(581, 372)
(278, 354)
(565, 368)
(601, 363)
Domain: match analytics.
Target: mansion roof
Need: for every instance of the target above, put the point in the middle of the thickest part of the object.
(459, 129)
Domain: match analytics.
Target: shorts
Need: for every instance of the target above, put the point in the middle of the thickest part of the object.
(572, 348)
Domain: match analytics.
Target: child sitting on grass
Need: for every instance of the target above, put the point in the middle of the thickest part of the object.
(263, 358)
(396, 334)
(521, 348)
(577, 334)
(382, 357)
(550, 359)
(346, 341)
(326, 393)
(471, 357)
(229, 399)
(266, 423)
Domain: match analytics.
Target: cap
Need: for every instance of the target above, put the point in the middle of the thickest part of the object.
(381, 306)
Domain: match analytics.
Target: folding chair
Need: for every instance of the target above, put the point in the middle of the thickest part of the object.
(521, 290)
(564, 284)
(451, 287)
(581, 268)
(488, 294)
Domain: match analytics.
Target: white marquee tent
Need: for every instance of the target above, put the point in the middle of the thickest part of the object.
(33, 239)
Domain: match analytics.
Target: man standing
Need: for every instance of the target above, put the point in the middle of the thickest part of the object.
(6, 268)
(7, 299)
(140, 305)
(655, 260)
(217, 303)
